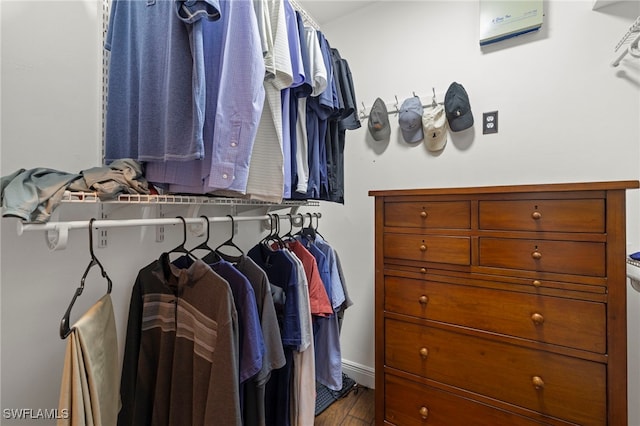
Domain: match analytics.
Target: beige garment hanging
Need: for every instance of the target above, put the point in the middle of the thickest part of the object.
(89, 393)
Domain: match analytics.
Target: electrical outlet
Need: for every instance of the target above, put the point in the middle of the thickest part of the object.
(490, 122)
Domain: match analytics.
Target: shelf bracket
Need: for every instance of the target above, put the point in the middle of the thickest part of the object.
(160, 228)
(102, 241)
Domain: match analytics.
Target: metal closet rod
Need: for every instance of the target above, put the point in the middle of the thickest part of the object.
(57, 233)
(118, 223)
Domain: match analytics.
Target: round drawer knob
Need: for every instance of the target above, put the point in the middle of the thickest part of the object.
(536, 255)
(423, 214)
(537, 318)
(423, 247)
(536, 283)
(538, 383)
(424, 412)
(536, 215)
(424, 353)
(423, 270)
(423, 300)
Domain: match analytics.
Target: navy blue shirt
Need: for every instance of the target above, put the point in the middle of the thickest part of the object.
(281, 272)
(251, 338)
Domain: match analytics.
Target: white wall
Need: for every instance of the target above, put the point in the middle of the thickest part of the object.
(565, 116)
(50, 118)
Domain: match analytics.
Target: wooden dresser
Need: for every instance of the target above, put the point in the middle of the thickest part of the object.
(501, 306)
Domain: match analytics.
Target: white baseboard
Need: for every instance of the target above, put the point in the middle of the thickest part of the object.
(362, 374)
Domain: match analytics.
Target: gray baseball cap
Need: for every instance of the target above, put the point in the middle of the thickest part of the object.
(379, 121)
(410, 120)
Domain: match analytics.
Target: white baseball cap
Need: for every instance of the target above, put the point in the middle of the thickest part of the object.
(434, 122)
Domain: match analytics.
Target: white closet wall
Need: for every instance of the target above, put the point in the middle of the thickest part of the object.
(565, 116)
(51, 78)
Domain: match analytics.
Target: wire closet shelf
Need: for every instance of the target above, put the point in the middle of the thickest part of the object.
(57, 232)
(628, 44)
(92, 197)
(633, 273)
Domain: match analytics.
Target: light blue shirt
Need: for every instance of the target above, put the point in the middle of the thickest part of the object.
(288, 137)
(326, 334)
(235, 71)
(293, 34)
(286, 141)
(156, 95)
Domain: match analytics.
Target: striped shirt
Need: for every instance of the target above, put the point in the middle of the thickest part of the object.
(180, 362)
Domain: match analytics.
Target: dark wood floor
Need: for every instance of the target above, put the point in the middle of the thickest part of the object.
(355, 409)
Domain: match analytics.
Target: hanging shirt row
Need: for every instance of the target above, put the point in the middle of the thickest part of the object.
(230, 98)
(234, 339)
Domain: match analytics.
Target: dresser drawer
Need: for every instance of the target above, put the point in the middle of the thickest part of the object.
(410, 403)
(567, 257)
(428, 248)
(567, 322)
(569, 388)
(543, 215)
(431, 214)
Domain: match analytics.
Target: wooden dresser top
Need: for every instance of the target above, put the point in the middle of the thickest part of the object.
(582, 186)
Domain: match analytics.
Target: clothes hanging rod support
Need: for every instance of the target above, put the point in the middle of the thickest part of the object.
(629, 49)
(635, 27)
(57, 233)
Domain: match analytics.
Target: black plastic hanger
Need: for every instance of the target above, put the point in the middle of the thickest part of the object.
(265, 241)
(288, 235)
(229, 242)
(65, 329)
(180, 248)
(205, 244)
(276, 238)
(309, 232)
(317, 224)
(300, 232)
(273, 236)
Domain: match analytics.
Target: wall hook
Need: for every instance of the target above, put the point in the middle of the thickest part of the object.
(363, 111)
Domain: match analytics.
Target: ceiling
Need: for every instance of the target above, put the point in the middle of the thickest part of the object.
(323, 11)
